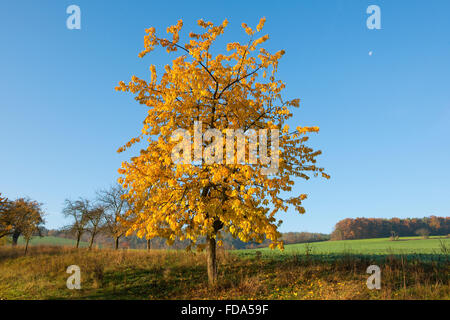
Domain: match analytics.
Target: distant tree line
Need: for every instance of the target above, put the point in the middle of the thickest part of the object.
(364, 228)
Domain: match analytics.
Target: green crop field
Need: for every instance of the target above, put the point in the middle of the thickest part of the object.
(409, 246)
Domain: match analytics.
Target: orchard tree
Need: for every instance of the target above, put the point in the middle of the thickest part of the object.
(78, 212)
(115, 206)
(32, 225)
(95, 215)
(22, 216)
(235, 91)
(86, 217)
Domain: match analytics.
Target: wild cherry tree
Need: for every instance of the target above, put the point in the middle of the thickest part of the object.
(236, 90)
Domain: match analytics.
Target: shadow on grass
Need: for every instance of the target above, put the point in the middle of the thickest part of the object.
(135, 283)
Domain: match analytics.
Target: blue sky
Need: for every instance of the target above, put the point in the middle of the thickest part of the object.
(384, 117)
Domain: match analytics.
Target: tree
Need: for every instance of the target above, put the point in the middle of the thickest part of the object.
(32, 225)
(175, 198)
(394, 236)
(78, 211)
(20, 216)
(423, 232)
(87, 217)
(115, 206)
(95, 215)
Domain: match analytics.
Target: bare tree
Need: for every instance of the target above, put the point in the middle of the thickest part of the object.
(78, 212)
(112, 200)
(423, 232)
(95, 216)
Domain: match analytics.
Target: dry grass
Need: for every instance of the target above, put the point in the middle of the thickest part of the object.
(162, 274)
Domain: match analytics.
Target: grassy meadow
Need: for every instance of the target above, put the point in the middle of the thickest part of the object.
(411, 268)
(52, 241)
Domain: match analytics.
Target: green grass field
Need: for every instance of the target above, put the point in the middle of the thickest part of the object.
(411, 248)
(51, 241)
(380, 246)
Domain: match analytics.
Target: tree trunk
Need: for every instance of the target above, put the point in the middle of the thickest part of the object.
(26, 246)
(78, 240)
(211, 261)
(92, 241)
(149, 244)
(116, 243)
(15, 237)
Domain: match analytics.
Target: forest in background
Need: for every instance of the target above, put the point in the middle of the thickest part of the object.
(366, 228)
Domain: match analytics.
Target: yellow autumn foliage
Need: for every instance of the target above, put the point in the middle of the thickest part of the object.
(226, 91)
